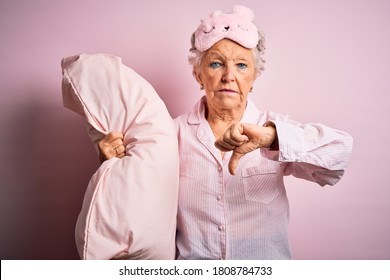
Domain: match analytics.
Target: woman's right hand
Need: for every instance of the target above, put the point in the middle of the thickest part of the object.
(111, 146)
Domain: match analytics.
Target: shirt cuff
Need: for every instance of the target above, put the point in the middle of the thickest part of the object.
(290, 141)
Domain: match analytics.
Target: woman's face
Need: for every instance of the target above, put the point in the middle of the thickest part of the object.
(227, 73)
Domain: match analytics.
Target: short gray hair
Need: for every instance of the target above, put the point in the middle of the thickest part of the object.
(195, 56)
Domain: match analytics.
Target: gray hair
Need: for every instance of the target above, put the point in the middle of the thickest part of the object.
(195, 56)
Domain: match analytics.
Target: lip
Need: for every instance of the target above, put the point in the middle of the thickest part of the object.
(227, 90)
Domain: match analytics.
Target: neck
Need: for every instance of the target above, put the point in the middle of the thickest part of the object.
(221, 120)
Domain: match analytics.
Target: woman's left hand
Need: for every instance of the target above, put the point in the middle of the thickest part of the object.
(244, 138)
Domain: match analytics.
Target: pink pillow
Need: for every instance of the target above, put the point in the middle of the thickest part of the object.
(129, 208)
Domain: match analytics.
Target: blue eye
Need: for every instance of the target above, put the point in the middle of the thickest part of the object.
(242, 65)
(215, 64)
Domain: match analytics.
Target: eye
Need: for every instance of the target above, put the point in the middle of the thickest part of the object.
(215, 64)
(242, 65)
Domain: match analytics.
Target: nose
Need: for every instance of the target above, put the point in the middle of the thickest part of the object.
(228, 75)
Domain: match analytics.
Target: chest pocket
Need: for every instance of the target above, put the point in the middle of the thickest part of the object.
(260, 183)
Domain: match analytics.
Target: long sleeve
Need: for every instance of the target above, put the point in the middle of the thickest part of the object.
(313, 152)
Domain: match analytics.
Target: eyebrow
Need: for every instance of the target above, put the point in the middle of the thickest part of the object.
(215, 54)
(218, 55)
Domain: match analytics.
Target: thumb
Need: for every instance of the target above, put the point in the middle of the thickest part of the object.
(234, 162)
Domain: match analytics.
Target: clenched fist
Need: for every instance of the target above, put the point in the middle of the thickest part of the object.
(111, 146)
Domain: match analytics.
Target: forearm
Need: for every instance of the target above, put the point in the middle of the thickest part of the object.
(313, 151)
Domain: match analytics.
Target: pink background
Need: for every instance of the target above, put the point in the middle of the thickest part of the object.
(327, 61)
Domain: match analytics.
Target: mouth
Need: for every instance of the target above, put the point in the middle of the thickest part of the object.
(226, 90)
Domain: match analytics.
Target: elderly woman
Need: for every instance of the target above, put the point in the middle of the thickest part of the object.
(233, 157)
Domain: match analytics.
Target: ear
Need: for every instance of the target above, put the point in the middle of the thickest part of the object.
(197, 75)
(255, 76)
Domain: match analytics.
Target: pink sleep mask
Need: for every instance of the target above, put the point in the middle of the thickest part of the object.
(236, 26)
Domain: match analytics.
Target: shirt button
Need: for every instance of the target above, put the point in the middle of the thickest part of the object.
(219, 197)
(219, 168)
(220, 228)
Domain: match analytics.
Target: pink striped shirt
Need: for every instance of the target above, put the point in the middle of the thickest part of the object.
(246, 216)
